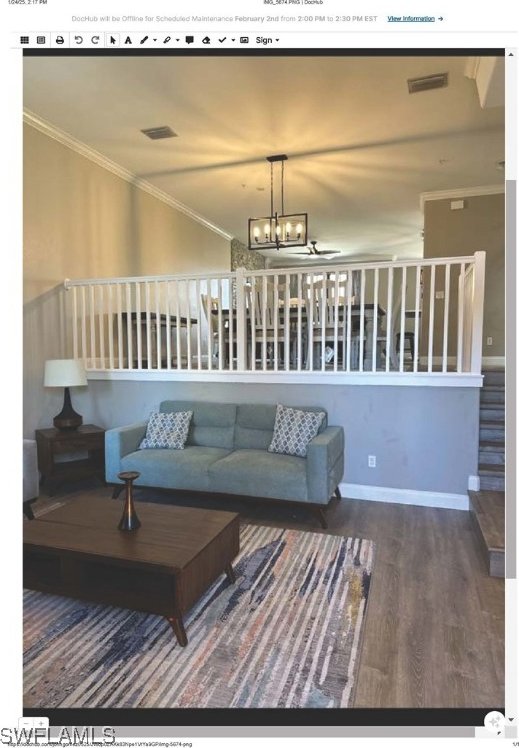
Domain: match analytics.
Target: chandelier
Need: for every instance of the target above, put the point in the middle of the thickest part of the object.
(278, 230)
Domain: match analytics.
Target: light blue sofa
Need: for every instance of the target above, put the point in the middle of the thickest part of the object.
(226, 452)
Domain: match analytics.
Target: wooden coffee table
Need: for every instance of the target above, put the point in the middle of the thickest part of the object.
(164, 567)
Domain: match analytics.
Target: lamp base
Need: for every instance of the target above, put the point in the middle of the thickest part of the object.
(68, 419)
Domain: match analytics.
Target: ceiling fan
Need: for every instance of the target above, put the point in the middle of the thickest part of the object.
(314, 252)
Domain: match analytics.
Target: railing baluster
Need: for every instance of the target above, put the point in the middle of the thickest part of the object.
(75, 323)
(207, 311)
(220, 327)
(362, 315)
(416, 316)
(177, 325)
(477, 312)
(92, 319)
(149, 362)
(323, 307)
(402, 319)
(198, 326)
(158, 322)
(138, 323)
(188, 322)
(276, 320)
(446, 316)
(431, 319)
(310, 354)
(83, 326)
(374, 350)
(389, 315)
(347, 324)
(336, 322)
(461, 312)
(168, 324)
(231, 327)
(264, 322)
(120, 345)
(110, 328)
(252, 319)
(129, 330)
(286, 320)
(299, 321)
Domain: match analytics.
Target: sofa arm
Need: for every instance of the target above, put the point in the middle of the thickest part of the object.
(325, 464)
(118, 443)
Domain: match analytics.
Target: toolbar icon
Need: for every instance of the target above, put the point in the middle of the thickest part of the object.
(24, 40)
(95, 40)
(112, 40)
(166, 40)
(144, 39)
(78, 39)
(190, 39)
(40, 40)
(206, 40)
(244, 39)
(60, 39)
(128, 40)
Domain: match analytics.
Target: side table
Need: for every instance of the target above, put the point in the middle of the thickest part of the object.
(53, 442)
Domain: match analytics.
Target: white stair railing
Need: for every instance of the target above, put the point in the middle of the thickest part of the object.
(375, 318)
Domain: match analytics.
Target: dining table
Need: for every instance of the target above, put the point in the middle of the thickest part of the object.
(297, 311)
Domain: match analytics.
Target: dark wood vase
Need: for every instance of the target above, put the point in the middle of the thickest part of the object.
(129, 520)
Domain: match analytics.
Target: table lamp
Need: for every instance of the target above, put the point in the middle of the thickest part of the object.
(66, 372)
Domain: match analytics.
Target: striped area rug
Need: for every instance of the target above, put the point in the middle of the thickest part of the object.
(286, 634)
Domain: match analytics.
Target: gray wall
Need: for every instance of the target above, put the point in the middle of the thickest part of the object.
(424, 438)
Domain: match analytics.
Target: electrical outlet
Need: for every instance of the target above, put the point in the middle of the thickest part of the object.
(439, 294)
(489, 340)
(372, 461)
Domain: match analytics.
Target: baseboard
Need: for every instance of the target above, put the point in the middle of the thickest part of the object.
(405, 496)
(474, 482)
(493, 361)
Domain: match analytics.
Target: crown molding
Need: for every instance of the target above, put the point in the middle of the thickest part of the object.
(489, 189)
(97, 158)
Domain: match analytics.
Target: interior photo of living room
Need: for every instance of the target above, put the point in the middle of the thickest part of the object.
(264, 369)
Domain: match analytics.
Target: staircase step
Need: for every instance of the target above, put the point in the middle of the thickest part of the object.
(492, 453)
(493, 376)
(491, 483)
(492, 412)
(492, 431)
(491, 477)
(487, 509)
(492, 394)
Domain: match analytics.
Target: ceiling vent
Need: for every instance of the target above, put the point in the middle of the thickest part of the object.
(158, 133)
(427, 83)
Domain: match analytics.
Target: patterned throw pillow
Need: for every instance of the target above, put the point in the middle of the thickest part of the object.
(167, 430)
(293, 430)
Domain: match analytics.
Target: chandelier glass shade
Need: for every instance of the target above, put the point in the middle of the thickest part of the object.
(278, 230)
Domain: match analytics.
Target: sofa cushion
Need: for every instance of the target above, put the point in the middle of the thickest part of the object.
(212, 424)
(174, 468)
(255, 425)
(167, 430)
(293, 430)
(255, 472)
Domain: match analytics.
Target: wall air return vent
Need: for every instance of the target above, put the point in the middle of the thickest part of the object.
(427, 83)
(158, 133)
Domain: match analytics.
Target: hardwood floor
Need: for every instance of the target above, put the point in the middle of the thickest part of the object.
(434, 634)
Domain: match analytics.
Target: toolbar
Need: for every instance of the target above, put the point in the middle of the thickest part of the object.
(140, 40)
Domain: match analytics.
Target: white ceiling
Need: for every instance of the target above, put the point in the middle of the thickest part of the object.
(361, 148)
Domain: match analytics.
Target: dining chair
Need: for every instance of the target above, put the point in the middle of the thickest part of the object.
(326, 328)
(210, 308)
(265, 306)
